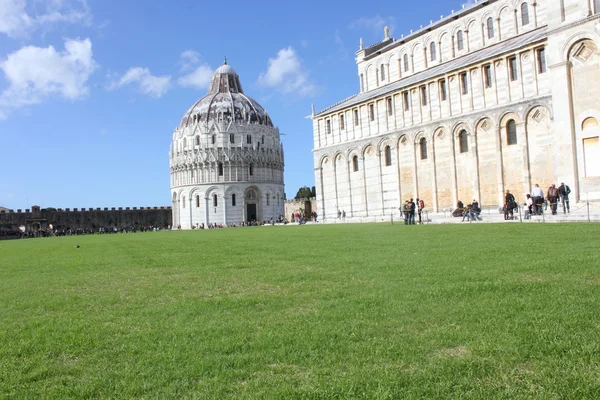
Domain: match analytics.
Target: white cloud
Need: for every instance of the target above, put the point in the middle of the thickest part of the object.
(287, 75)
(199, 78)
(154, 86)
(200, 75)
(17, 19)
(36, 73)
(188, 59)
(374, 24)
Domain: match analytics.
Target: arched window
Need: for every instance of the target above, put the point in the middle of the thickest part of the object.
(423, 148)
(197, 201)
(406, 66)
(215, 202)
(220, 169)
(388, 156)
(433, 51)
(251, 169)
(184, 144)
(183, 201)
(382, 70)
(197, 140)
(460, 43)
(233, 200)
(511, 132)
(262, 140)
(490, 28)
(214, 139)
(589, 123)
(249, 139)
(463, 140)
(355, 163)
(524, 14)
(268, 198)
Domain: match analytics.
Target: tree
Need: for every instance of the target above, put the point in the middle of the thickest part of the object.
(304, 193)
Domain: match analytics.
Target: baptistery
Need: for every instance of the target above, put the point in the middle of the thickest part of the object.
(226, 159)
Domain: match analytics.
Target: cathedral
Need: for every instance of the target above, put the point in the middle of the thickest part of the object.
(500, 95)
(226, 159)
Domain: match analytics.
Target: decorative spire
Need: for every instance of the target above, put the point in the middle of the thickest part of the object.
(225, 61)
(361, 44)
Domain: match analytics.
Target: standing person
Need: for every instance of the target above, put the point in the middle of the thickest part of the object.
(553, 198)
(538, 199)
(411, 211)
(509, 200)
(343, 214)
(339, 214)
(406, 212)
(421, 206)
(563, 192)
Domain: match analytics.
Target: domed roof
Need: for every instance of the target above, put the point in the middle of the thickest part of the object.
(226, 102)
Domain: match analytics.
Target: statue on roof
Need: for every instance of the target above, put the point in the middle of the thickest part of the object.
(386, 32)
(361, 44)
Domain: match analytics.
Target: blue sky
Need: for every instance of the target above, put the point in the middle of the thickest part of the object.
(91, 91)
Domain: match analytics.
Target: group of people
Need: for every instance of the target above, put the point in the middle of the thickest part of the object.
(536, 202)
(409, 208)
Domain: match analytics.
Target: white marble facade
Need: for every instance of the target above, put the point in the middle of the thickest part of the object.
(498, 96)
(226, 159)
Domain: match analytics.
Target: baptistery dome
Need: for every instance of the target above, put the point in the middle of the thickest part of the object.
(226, 159)
(226, 102)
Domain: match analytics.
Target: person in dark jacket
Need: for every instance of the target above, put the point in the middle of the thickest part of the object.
(552, 195)
(563, 192)
(510, 204)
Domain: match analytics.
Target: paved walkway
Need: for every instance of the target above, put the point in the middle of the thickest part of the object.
(579, 213)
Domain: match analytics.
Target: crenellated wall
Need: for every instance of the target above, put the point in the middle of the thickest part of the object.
(82, 218)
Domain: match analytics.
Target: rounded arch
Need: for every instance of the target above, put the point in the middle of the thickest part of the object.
(392, 57)
(508, 115)
(460, 26)
(403, 140)
(212, 190)
(577, 38)
(386, 141)
(484, 17)
(589, 123)
(459, 126)
(339, 156)
(195, 191)
(442, 34)
(367, 149)
(324, 159)
(439, 134)
(233, 190)
(419, 135)
(500, 10)
(415, 46)
(484, 124)
(174, 197)
(534, 107)
(350, 152)
(470, 22)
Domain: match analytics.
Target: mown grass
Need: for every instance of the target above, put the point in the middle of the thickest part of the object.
(310, 312)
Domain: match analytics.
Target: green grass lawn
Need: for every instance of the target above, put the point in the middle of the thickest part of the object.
(490, 311)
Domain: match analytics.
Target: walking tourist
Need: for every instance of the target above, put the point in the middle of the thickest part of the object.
(553, 198)
(538, 199)
(563, 192)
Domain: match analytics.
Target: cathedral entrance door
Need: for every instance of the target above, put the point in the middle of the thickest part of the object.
(250, 212)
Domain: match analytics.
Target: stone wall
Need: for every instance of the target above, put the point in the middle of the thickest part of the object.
(90, 218)
(301, 205)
